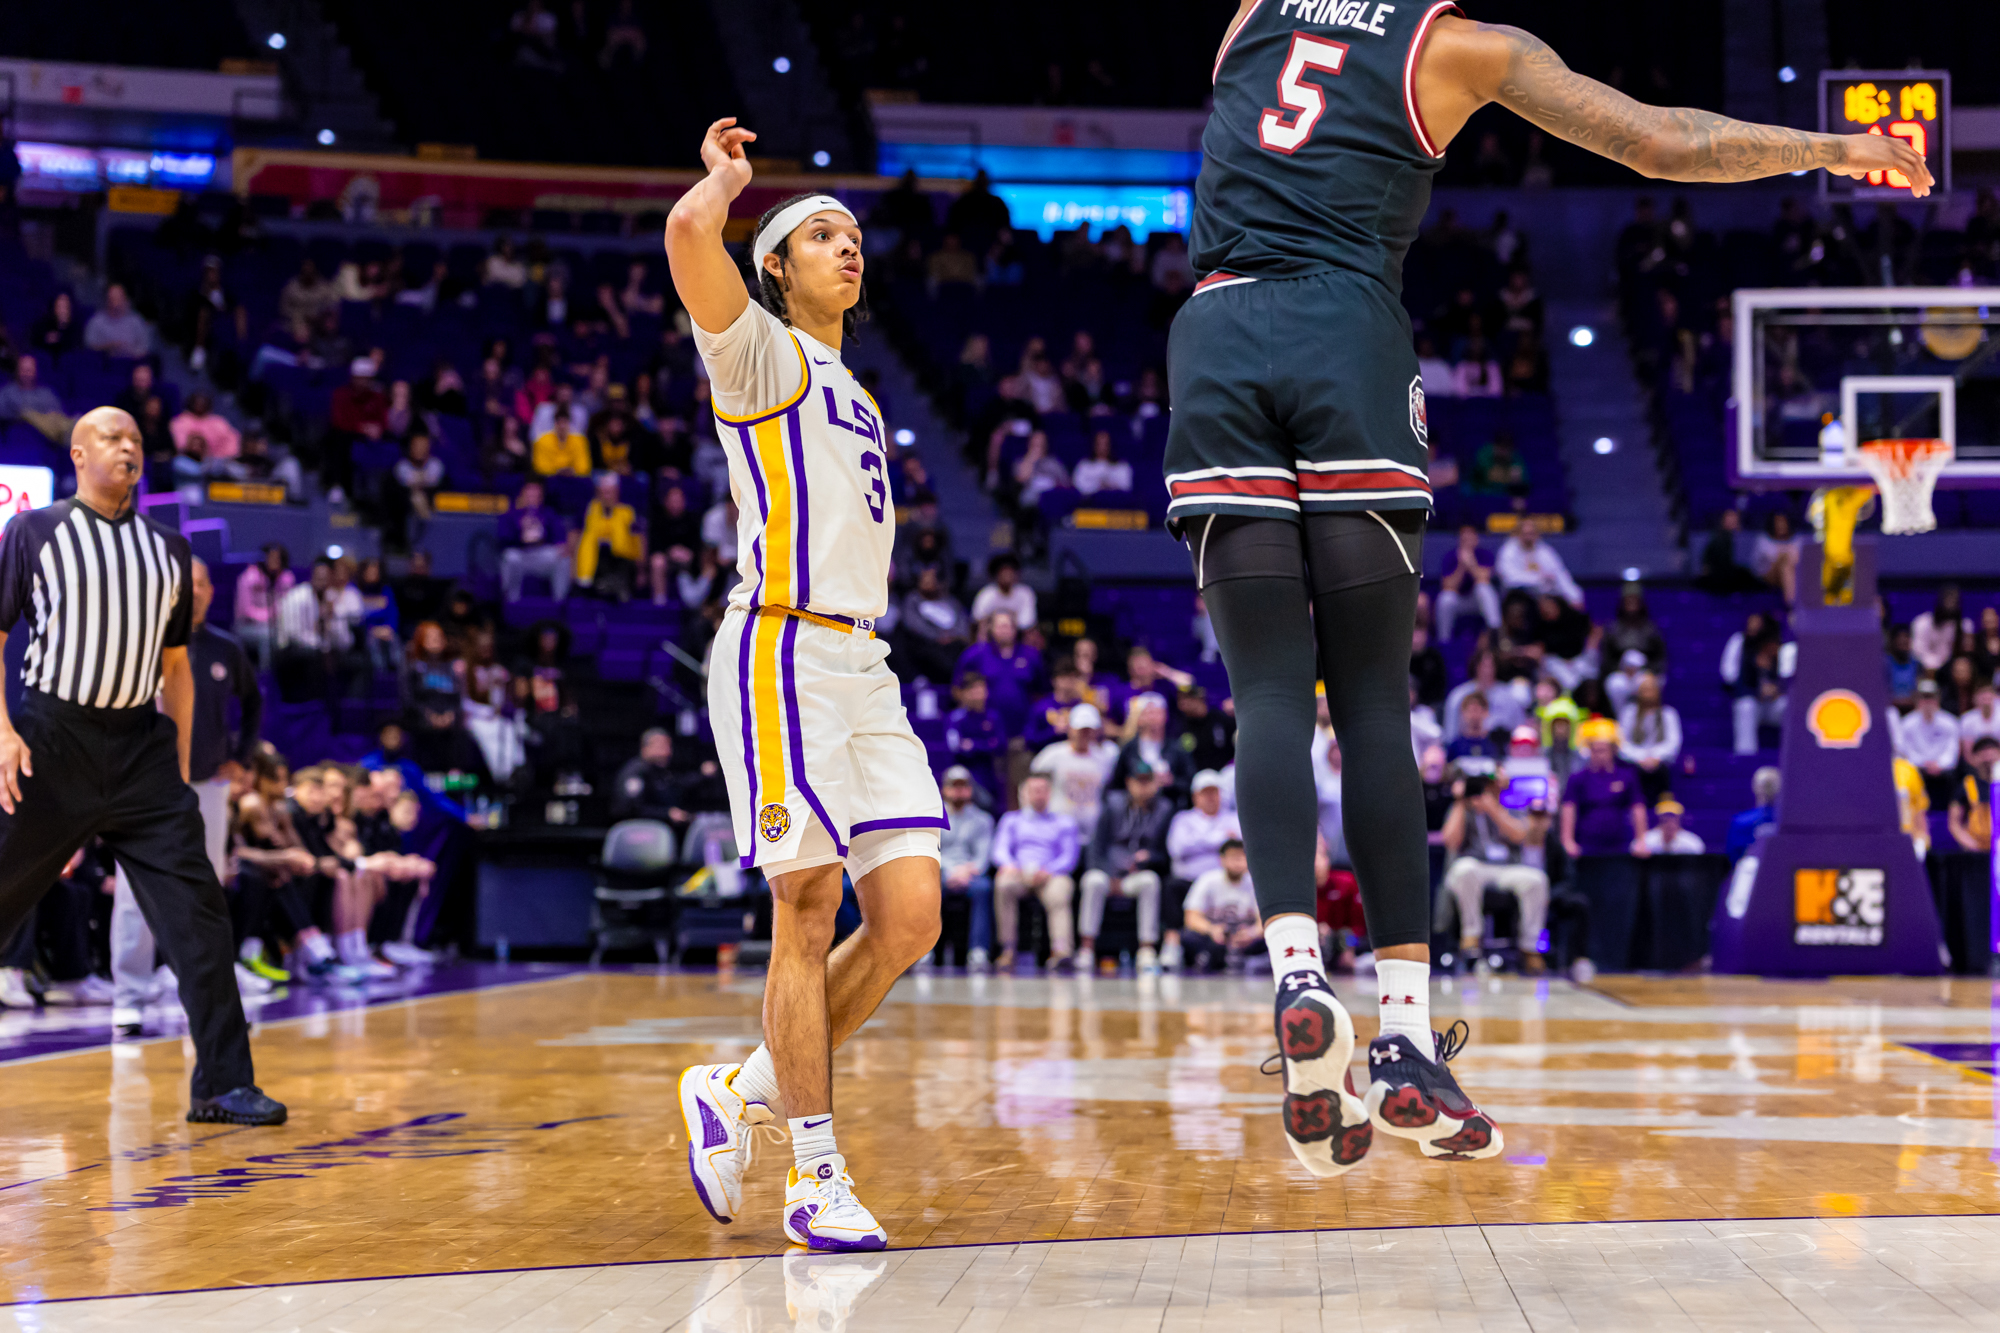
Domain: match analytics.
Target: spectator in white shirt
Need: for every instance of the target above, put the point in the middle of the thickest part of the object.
(1439, 379)
(1221, 913)
(1194, 844)
(1928, 738)
(1668, 838)
(1979, 721)
(1621, 684)
(117, 329)
(1934, 633)
(1504, 707)
(1425, 729)
(1103, 470)
(1006, 592)
(1078, 767)
(1649, 736)
(718, 529)
(563, 403)
(1467, 581)
(1526, 561)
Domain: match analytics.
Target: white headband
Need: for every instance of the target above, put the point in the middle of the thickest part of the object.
(781, 226)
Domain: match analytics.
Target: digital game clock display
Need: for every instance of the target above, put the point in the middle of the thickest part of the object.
(1912, 104)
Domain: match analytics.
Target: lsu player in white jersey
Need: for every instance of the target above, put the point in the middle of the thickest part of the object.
(824, 772)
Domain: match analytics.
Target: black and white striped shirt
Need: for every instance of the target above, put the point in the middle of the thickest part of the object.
(102, 600)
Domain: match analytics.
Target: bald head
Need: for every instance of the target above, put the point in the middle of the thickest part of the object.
(104, 445)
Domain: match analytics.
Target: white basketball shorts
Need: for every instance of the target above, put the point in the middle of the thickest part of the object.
(816, 747)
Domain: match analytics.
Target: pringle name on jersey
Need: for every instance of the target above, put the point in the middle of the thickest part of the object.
(1353, 14)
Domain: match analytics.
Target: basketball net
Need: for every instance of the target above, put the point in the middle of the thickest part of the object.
(1906, 472)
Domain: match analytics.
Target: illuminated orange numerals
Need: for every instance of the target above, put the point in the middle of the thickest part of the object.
(1902, 129)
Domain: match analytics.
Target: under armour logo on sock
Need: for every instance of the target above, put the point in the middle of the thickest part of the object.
(1292, 951)
(1407, 999)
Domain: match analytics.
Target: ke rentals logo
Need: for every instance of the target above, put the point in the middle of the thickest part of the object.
(1838, 906)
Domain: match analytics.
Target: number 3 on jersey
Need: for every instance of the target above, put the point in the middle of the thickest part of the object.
(1287, 131)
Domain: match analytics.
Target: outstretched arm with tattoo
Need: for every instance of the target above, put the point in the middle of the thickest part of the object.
(1465, 65)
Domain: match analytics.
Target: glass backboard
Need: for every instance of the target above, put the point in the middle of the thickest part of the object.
(1820, 371)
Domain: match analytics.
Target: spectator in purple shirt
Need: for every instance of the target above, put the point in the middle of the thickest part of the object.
(1604, 830)
(1034, 852)
(1048, 720)
(974, 736)
(1013, 670)
(534, 539)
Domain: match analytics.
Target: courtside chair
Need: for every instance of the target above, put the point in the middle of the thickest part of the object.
(634, 894)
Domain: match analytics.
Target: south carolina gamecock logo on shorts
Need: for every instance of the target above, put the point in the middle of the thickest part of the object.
(774, 822)
(1420, 424)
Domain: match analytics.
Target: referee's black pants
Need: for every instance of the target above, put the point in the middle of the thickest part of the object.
(116, 773)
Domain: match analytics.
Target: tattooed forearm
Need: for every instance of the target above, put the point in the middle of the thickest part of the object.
(1670, 143)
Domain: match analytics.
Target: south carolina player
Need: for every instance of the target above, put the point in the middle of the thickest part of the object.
(1297, 466)
(823, 770)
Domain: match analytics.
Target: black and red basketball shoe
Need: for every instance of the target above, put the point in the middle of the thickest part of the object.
(1325, 1122)
(1414, 1096)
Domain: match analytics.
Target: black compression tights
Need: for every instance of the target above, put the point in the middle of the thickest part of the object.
(1267, 643)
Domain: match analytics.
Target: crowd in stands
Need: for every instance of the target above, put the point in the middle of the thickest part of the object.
(1059, 377)
(1558, 749)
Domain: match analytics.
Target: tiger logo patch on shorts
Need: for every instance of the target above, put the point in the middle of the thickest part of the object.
(774, 821)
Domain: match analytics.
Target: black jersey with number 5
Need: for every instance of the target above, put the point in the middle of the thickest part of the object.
(1315, 156)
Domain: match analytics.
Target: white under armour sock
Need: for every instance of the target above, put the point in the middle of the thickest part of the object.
(1405, 988)
(757, 1080)
(1294, 944)
(812, 1143)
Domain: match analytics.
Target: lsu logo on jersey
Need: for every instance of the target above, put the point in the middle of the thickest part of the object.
(774, 822)
(1420, 422)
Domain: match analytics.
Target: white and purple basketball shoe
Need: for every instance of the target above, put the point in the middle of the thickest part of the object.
(718, 1127)
(821, 1212)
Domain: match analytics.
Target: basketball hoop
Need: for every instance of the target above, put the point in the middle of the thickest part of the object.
(1906, 472)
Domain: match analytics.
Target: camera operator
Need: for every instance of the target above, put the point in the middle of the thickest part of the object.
(1487, 845)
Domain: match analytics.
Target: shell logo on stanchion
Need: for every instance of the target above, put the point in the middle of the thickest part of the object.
(1838, 719)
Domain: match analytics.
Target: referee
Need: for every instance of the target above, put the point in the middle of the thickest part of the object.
(109, 597)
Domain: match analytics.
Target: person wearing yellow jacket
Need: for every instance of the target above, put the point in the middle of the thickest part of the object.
(609, 544)
(561, 451)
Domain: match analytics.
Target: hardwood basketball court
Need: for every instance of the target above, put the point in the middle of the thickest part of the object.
(1800, 1155)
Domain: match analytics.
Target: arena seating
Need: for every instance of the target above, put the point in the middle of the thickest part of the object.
(188, 34)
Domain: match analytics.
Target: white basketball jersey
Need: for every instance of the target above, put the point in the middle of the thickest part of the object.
(808, 466)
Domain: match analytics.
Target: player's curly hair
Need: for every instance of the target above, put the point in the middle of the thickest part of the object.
(771, 295)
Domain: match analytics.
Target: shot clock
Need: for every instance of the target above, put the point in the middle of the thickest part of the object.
(1912, 104)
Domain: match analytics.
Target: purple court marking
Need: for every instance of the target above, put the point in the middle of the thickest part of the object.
(1981, 1057)
(62, 1031)
(1529, 1161)
(967, 1245)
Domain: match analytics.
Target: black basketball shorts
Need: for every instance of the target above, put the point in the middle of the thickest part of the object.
(1294, 395)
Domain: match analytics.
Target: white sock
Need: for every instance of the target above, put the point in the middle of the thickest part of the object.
(253, 948)
(1294, 944)
(812, 1143)
(353, 947)
(1405, 988)
(757, 1080)
(316, 947)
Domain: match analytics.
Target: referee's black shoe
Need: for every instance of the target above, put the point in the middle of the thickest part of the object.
(246, 1105)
